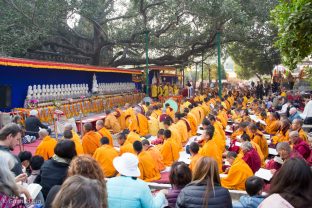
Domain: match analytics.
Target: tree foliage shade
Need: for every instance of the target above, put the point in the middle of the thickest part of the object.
(111, 32)
(294, 21)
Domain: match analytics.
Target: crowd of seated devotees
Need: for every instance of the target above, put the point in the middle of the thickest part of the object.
(225, 137)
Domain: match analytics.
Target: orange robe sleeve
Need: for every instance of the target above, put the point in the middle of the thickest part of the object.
(259, 139)
(169, 152)
(126, 147)
(237, 176)
(153, 126)
(182, 128)
(147, 166)
(303, 135)
(78, 145)
(105, 133)
(46, 148)
(280, 137)
(193, 162)
(210, 149)
(132, 137)
(90, 142)
(105, 155)
(156, 155)
(273, 127)
(176, 136)
(193, 124)
(122, 119)
(111, 122)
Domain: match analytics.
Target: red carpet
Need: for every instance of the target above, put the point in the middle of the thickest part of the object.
(28, 147)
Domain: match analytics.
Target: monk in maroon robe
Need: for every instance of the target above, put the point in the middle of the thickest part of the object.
(251, 156)
(299, 145)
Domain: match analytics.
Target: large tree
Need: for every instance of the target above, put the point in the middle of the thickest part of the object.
(294, 21)
(112, 32)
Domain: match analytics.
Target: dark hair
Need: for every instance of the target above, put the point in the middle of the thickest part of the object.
(65, 149)
(24, 155)
(180, 175)
(167, 134)
(161, 131)
(253, 126)
(167, 104)
(243, 124)
(245, 137)
(186, 110)
(253, 185)
(276, 115)
(179, 115)
(294, 182)
(145, 142)
(108, 112)
(210, 131)
(206, 122)
(167, 121)
(88, 126)
(68, 134)
(8, 129)
(231, 154)
(137, 146)
(104, 140)
(194, 147)
(36, 162)
(211, 117)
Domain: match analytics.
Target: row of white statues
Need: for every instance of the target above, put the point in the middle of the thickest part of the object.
(119, 87)
(60, 91)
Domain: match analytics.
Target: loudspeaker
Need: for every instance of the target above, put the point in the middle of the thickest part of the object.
(5, 96)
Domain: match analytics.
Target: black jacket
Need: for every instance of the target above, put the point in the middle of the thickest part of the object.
(17, 169)
(52, 173)
(32, 125)
(192, 196)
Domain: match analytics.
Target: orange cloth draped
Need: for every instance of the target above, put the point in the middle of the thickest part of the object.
(258, 150)
(129, 113)
(273, 127)
(105, 155)
(219, 140)
(193, 123)
(153, 126)
(121, 119)
(206, 108)
(156, 113)
(169, 152)
(90, 142)
(222, 116)
(196, 114)
(303, 135)
(194, 160)
(112, 123)
(105, 133)
(176, 136)
(76, 139)
(280, 137)
(182, 128)
(132, 137)
(210, 149)
(170, 112)
(46, 147)
(237, 176)
(149, 171)
(126, 147)
(259, 139)
(139, 123)
(156, 155)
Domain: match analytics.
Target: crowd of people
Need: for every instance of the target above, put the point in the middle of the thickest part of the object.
(226, 142)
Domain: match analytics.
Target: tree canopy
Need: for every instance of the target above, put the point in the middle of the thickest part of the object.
(112, 32)
(294, 22)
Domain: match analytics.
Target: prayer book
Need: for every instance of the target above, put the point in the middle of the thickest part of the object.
(264, 173)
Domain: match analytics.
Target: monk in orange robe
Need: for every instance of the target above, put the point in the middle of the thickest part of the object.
(258, 138)
(282, 135)
(196, 114)
(125, 146)
(105, 155)
(169, 111)
(46, 147)
(121, 117)
(129, 113)
(155, 153)
(210, 148)
(139, 123)
(156, 112)
(132, 137)
(297, 126)
(153, 124)
(241, 130)
(169, 150)
(78, 146)
(237, 173)
(148, 168)
(181, 127)
(90, 140)
(75, 138)
(175, 134)
(219, 135)
(246, 138)
(103, 131)
(111, 122)
(194, 149)
(192, 121)
(275, 124)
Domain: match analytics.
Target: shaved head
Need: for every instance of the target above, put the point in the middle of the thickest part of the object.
(283, 146)
(88, 127)
(43, 133)
(68, 126)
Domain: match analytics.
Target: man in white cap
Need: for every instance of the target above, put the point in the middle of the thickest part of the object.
(33, 123)
(127, 190)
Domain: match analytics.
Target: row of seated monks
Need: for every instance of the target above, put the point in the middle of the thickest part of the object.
(157, 135)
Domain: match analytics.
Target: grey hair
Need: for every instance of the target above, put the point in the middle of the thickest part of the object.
(43, 133)
(246, 146)
(293, 134)
(283, 146)
(68, 126)
(8, 185)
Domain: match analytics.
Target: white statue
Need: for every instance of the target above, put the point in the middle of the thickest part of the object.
(94, 84)
(29, 92)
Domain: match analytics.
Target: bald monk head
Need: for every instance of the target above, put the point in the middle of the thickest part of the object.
(246, 146)
(146, 144)
(194, 148)
(104, 140)
(211, 118)
(245, 138)
(137, 146)
(284, 150)
(68, 126)
(178, 116)
(206, 123)
(160, 133)
(99, 124)
(208, 135)
(294, 136)
(68, 134)
(167, 122)
(167, 134)
(296, 124)
(87, 127)
(43, 133)
(243, 126)
(230, 157)
(122, 138)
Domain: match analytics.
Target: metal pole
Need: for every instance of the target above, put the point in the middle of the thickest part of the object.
(146, 70)
(219, 63)
(202, 74)
(195, 79)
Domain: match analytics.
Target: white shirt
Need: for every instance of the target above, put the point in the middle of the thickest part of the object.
(307, 112)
